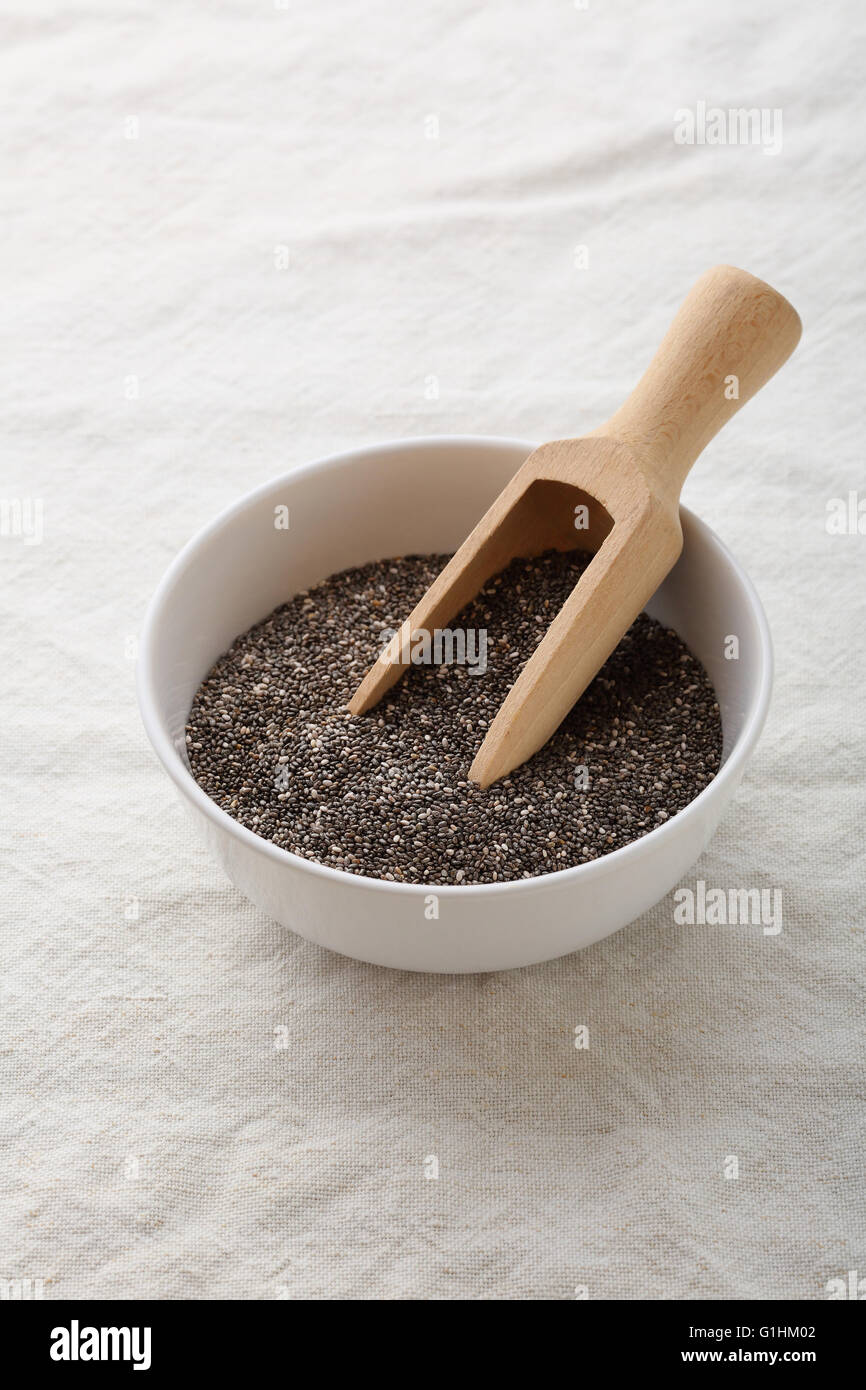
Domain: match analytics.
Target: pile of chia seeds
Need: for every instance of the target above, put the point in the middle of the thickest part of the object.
(386, 794)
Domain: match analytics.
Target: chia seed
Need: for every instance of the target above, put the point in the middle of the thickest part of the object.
(386, 794)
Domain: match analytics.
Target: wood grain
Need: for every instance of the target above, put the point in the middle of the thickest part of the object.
(731, 334)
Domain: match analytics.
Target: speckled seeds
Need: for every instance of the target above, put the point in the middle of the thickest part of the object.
(271, 741)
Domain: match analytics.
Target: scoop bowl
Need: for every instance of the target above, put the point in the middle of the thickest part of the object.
(424, 496)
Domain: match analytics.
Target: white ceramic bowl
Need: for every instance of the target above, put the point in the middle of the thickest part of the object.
(411, 496)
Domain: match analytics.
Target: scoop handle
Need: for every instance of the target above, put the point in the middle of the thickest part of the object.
(731, 334)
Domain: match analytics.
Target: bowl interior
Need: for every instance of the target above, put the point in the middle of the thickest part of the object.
(412, 496)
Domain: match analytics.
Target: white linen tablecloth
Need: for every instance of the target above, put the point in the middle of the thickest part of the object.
(240, 236)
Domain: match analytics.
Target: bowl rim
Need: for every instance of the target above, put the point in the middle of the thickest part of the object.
(621, 858)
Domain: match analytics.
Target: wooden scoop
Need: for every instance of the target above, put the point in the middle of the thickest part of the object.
(616, 492)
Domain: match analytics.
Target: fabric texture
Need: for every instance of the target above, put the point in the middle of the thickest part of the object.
(238, 237)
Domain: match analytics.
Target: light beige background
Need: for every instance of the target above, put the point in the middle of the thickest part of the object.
(195, 1103)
